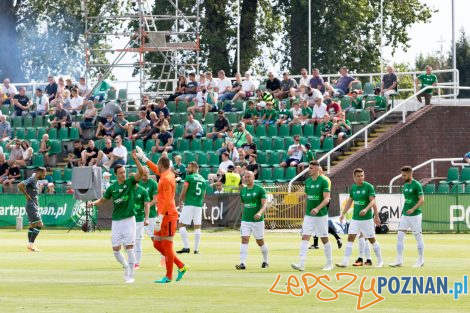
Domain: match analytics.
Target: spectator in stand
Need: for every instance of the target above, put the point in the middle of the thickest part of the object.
(269, 115)
(307, 113)
(75, 157)
(309, 156)
(118, 156)
(326, 127)
(120, 128)
(304, 81)
(63, 97)
(273, 84)
(251, 113)
(247, 90)
(139, 128)
(466, 158)
(91, 152)
(3, 168)
(389, 82)
(101, 88)
(42, 103)
(296, 113)
(103, 155)
(51, 88)
(372, 103)
(288, 87)
(223, 166)
(285, 116)
(180, 88)
(236, 87)
(5, 129)
(316, 81)
(164, 141)
(294, 153)
(111, 108)
(355, 102)
(343, 84)
(88, 118)
(156, 123)
(60, 86)
(252, 165)
(332, 107)
(13, 175)
(241, 164)
(76, 102)
(341, 127)
(190, 91)
(193, 129)
(229, 182)
(319, 111)
(50, 189)
(238, 136)
(249, 146)
(199, 102)
(224, 87)
(69, 85)
(7, 92)
(310, 95)
(426, 80)
(44, 147)
(82, 88)
(27, 151)
(179, 168)
(161, 107)
(232, 152)
(211, 85)
(106, 129)
(221, 127)
(21, 103)
(62, 118)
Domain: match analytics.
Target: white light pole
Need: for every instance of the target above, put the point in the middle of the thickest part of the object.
(238, 37)
(309, 37)
(381, 36)
(454, 51)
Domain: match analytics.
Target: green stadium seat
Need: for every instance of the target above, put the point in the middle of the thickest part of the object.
(139, 143)
(452, 176)
(41, 132)
(5, 110)
(214, 160)
(63, 133)
(250, 128)
(178, 131)
(188, 156)
(74, 134)
(198, 116)
(467, 189)
(218, 143)
(465, 175)
(38, 121)
(232, 117)
(183, 118)
(283, 130)
(288, 142)
(210, 118)
(296, 130)
(260, 131)
(182, 144)
(291, 172)
(207, 144)
(171, 105)
(272, 130)
(128, 144)
(175, 119)
(35, 144)
(443, 188)
(17, 122)
(155, 157)
(456, 188)
(278, 143)
(273, 158)
(56, 147)
(27, 121)
(278, 174)
(266, 144)
(303, 140)
(37, 160)
(52, 133)
(149, 144)
(122, 95)
(204, 172)
(328, 144)
(266, 175)
(181, 108)
(363, 116)
(429, 188)
(351, 116)
(368, 89)
(57, 176)
(238, 105)
(315, 144)
(20, 133)
(309, 130)
(111, 94)
(31, 134)
(283, 155)
(261, 158)
(356, 85)
(201, 158)
(196, 144)
(345, 101)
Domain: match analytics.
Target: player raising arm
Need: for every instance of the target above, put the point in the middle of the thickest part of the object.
(123, 219)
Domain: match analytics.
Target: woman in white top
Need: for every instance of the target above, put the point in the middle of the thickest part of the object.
(232, 152)
(27, 155)
(248, 88)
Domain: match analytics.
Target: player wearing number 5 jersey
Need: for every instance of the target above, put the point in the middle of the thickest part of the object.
(191, 199)
(410, 217)
(254, 206)
(167, 219)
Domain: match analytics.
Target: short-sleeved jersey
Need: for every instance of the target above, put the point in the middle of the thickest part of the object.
(141, 196)
(307, 111)
(356, 103)
(123, 198)
(427, 80)
(285, 114)
(272, 113)
(326, 127)
(196, 190)
(360, 195)
(412, 191)
(314, 190)
(250, 113)
(32, 189)
(251, 199)
(151, 187)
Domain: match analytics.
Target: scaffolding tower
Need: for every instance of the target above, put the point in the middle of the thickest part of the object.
(170, 44)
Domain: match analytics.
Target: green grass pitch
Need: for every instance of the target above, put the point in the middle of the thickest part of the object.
(77, 272)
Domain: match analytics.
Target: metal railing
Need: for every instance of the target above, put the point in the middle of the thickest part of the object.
(433, 172)
(364, 131)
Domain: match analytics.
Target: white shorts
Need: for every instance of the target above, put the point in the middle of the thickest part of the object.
(410, 222)
(315, 226)
(149, 229)
(191, 213)
(123, 232)
(366, 227)
(255, 228)
(139, 231)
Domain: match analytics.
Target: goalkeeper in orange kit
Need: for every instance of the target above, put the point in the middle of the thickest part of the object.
(167, 220)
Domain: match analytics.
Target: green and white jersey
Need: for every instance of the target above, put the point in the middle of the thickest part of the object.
(152, 190)
(141, 196)
(412, 191)
(123, 198)
(314, 190)
(360, 195)
(251, 199)
(196, 190)
(285, 113)
(307, 111)
(427, 80)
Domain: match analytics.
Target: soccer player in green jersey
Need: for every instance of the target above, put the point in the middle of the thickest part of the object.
(142, 210)
(151, 186)
(123, 218)
(363, 195)
(191, 199)
(410, 216)
(254, 206)
(315, 221)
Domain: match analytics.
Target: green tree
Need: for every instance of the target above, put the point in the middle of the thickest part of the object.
(463, 63)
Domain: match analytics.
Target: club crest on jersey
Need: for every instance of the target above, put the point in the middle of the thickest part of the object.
(120, 190)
